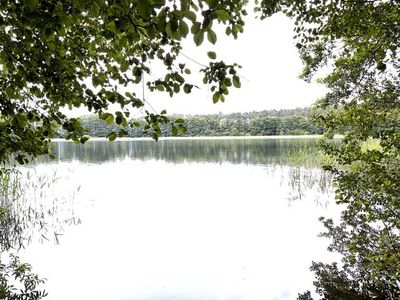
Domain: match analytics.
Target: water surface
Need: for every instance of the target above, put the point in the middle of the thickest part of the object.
(185, 219)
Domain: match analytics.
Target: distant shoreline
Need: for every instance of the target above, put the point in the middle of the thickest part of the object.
(265, 137)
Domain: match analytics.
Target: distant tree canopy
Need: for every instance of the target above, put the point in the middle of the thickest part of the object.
(274, 122)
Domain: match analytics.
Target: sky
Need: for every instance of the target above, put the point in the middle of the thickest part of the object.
(269, 75)
(270, 72)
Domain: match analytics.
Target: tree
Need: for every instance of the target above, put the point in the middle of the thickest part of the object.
(358, 43)
(74, 53)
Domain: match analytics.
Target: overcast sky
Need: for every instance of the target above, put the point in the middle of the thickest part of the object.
(270, 69)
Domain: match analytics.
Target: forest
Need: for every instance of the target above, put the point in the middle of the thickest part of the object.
(263, 123)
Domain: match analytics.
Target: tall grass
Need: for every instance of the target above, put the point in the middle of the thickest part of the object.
(31, 208)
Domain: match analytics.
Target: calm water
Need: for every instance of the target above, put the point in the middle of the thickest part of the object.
(182, 219)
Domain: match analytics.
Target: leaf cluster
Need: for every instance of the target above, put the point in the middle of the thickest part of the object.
(66, 54)
(353, 47)
(17, 281)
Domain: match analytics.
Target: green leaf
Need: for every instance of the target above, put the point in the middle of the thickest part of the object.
(195, 28)
(124, 66)
(182, 129)
(144, 7)
(111, 136)
(120, 120)
(183, 28)
(174, 130)
(155, 136)
(124, 122)
(122, 133)
(223, 15)
(111, 26)
(212, 55)
(109, 119)
(227, 82)
(180, 120)
(211, 36)
(187, 88)
(236, 81)
(190, 15)
(105, 116)
(216, 97)
(169, 32)
(160, 87)
(198, 38)
(84, 139)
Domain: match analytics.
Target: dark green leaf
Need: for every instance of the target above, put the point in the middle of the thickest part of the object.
(212, 55)
(198, 38)
(174, 130)
(144, 8)
(187, 88)
(216, 97)
(112, 136)
(236, 81)
(223, 15)
(211, 36)
(183, 28)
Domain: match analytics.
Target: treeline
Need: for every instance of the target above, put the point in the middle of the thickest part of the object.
(268, 122)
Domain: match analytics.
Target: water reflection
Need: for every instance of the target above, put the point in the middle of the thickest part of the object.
(301, 156)
(238, 151)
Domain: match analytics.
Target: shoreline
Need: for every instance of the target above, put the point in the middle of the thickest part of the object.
(264, 137)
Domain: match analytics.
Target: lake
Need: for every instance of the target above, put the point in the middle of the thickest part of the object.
(192, 219)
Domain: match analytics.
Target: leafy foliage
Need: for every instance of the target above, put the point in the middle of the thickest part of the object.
(358, 42)
(28, 207)
(17, 282)
(71, 53)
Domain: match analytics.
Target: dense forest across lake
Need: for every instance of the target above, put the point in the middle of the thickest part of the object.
(262, 123)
